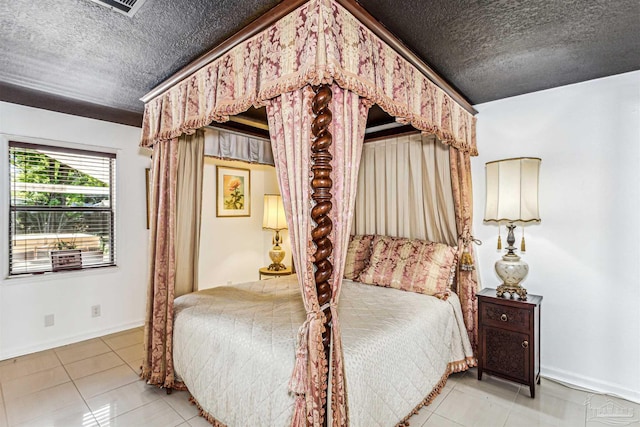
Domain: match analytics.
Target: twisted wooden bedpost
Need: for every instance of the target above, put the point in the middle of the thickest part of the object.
(321, 184)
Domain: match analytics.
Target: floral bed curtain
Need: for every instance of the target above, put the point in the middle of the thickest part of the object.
(348, 126)
(176, 189)
(157, 363)
(467, 278)
(289, 118)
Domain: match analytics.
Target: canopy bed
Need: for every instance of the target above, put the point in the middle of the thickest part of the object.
(317, 67)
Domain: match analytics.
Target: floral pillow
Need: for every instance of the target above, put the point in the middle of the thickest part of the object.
(411, 265)
(358, 254)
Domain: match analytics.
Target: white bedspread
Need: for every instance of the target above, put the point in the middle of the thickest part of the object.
(234, 348)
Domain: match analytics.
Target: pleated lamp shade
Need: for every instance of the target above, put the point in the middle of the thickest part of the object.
(512, 197)
(512, 191)
(274, 216)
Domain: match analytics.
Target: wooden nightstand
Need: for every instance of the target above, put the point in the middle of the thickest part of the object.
(264, 271)
(509, 338)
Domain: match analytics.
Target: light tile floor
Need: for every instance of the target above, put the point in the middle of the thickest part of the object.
(95, 383)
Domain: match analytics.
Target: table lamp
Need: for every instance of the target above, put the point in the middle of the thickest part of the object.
(274, 219)
(512, 198)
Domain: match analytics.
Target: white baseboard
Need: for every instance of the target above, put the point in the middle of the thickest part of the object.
(47, 345)
(591, 384)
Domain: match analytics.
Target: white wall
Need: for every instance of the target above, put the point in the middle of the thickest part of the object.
(121, 291)
(584, 256)
(233, 249)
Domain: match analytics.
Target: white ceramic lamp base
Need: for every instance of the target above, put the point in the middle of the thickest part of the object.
(512, 270)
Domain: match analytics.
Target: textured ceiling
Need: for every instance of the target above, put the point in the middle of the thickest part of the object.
(53, 52)
(495, 49)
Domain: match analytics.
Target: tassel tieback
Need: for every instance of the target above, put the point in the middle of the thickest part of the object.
(466, 262)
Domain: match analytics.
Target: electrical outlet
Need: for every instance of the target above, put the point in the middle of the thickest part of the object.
(49, 320)
(95, 310)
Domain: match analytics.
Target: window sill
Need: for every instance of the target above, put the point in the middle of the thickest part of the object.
(50, 276)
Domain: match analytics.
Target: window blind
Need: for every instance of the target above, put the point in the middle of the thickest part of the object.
(62, 209)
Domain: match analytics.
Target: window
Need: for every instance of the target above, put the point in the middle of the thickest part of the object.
(61, 209)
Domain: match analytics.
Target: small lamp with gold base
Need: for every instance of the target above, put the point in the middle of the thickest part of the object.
(274, 219)
(512, 198)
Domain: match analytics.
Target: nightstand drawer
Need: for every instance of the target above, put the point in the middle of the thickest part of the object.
(503, 316)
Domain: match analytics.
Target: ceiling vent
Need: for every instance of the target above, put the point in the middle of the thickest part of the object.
(126, 7)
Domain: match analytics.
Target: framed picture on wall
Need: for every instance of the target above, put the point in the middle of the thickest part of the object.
(233, 191)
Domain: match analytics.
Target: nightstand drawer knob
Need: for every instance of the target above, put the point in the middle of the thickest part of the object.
(525, 344)
(504, 317)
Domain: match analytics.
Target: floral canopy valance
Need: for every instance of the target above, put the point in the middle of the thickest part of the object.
(320, 42)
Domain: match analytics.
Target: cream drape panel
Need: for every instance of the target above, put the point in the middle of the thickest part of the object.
(404, 190)
(188, 211)
(177, 165)
(289, 117)
(232, 146)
